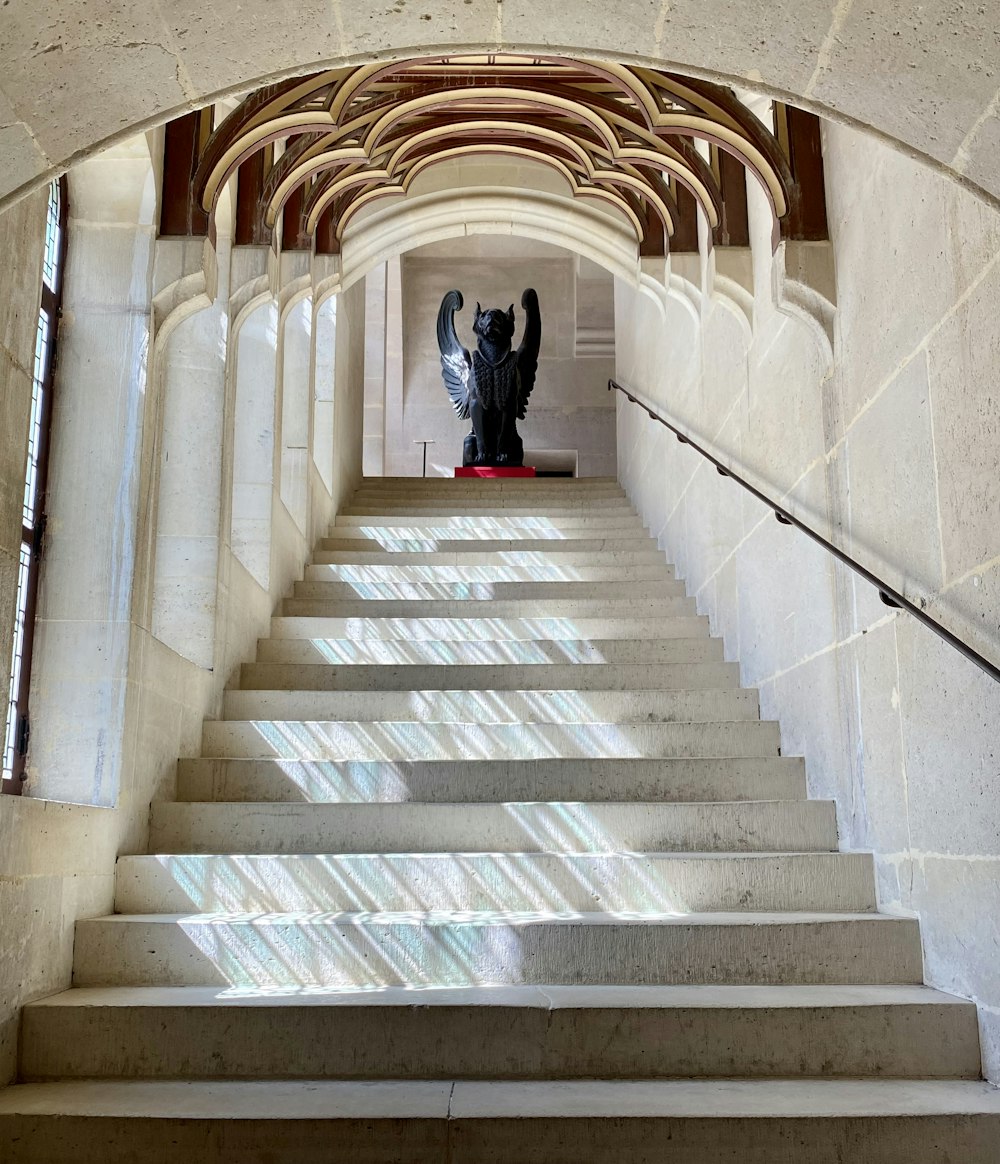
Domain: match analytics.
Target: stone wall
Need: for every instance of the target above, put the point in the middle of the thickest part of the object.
(24, 888)
(113, 705)
(22, 242)
(570, 408)
(891, 449)
(928, 82)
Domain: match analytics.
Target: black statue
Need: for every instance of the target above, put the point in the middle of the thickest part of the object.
(492, 385)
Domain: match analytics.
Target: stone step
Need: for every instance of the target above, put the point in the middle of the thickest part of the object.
(503, 506)
(493, 653)
(451, 484)
(632, 883)
(504, 706)
(489, 781)
(539, 495)
(512, 827)
(616, 604)
(533, 676)
(609, 538)
(547, 589)
(482, 629)
(526, 1032)
(556, 556)
(613, 530)
(544, 503)
(546, 571)
(797, 1121)
(450, 487)
(395, 524)
(391, 740)
(295, 951)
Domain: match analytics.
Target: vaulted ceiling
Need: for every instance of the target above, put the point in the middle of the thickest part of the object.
(637, 139)
(79, 74)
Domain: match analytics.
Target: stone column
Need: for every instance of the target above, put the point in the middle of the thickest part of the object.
(83, 630)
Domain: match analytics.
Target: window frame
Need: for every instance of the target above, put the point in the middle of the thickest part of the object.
(18, 719)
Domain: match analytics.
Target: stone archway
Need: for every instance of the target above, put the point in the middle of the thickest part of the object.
(75, 80)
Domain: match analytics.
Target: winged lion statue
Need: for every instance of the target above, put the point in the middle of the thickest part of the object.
(490, 386)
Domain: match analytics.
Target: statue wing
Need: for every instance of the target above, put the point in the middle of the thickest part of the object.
(527, 353)
(456, 363)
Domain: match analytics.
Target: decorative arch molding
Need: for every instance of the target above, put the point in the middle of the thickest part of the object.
(626, 134)
(294, 392)
(252, 374)
(422, 219)
(150, 71)
(803, 287)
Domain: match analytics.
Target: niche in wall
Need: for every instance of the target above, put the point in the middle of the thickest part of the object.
(570, 407)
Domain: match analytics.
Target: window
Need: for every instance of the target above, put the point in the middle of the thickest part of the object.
(33, 513)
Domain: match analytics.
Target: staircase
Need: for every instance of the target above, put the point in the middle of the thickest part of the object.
(490, 860)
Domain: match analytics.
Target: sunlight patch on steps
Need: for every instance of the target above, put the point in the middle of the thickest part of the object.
(390, 740)
(498, 651)
(609, 881)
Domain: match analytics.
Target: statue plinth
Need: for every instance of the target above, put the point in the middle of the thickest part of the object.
(493, 471)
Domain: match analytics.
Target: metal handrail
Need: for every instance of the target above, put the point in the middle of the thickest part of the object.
(886, 593)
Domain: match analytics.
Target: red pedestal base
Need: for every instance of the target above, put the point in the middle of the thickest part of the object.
(493, 471)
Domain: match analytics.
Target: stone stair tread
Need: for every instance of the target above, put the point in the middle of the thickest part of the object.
(364, 555)
(566, 826)
(496, 705)
(526, 855)
(381, 573)
(596, 523)
(473, 609)
(387, 653)
(317, 676)
(298, 739)
(554, 997)
(486, 629)
(402, 549)
(484, 919)
(609, 880)
(205, 780)
(398, 506)
(584, 528)
(460, 1100)
(486, 507)
(542, 590)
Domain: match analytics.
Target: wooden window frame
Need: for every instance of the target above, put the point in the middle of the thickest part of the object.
(18, 723)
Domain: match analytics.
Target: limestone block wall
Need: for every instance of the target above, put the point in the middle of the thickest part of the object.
(113, 703)
(22, 238)
(889, 445)
(25, 883)
(124, 67)
(570, 408)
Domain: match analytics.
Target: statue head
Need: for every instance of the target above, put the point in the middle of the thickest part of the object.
(493, 325)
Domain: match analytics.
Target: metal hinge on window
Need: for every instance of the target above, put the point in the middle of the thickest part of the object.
(38, 534)
(23, 735)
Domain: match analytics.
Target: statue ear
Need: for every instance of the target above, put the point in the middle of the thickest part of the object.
(510, 313)
(479, 311)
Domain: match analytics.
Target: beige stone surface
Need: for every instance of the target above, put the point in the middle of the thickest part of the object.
(112, 705)
(416, 948)
(622, 882)
(891, 452)
(790, 826)
(469, 1123)
(264, 781)
(891, 68)
(22, 239)
(514, 1032)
